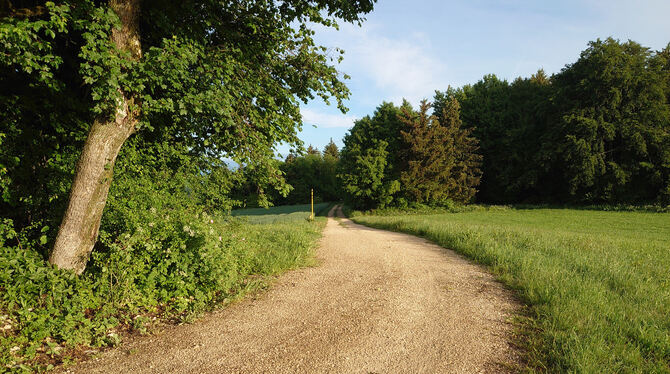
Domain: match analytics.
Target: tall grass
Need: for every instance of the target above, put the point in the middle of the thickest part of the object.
(597, 283)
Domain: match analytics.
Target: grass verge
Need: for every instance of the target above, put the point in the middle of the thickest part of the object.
(597, 283)
(171, 271)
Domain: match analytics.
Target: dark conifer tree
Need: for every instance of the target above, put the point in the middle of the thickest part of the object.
(311, 150)
(442, 161)
(331, 150)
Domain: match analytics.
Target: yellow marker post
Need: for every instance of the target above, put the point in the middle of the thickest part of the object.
(312, 203)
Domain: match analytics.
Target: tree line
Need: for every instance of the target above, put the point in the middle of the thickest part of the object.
(597, 132)
(302, 172)
(400, 156)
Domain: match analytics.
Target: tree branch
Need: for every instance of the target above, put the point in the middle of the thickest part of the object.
(7, 10)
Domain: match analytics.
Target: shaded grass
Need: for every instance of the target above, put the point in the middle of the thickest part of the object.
(597, 283)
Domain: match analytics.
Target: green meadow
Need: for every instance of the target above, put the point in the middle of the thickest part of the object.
(281, 214)
(596, 283)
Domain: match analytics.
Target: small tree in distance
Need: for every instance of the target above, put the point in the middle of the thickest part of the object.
(443, 163)
(331, 150)
(311, 150)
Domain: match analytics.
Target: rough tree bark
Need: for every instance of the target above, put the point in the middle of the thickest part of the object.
(79, 229)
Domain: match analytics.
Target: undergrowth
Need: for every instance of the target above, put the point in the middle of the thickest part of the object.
(49, 316)
(168, 250)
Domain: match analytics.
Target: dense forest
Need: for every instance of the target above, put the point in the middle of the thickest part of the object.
(597, 132)
(400, 156)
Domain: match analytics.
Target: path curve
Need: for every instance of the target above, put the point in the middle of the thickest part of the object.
(379, 302)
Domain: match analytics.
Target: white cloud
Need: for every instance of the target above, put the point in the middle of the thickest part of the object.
(325, 120)
(400, 68)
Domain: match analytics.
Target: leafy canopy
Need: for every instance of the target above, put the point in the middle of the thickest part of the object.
(221, 78)
(371, 157)
(597, 132)
(224, 77)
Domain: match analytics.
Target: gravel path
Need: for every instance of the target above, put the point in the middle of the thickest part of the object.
(379, 302)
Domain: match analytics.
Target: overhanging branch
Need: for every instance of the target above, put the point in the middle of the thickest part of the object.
(7, 9)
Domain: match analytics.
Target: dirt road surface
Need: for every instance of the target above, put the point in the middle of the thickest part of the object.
(379, 302)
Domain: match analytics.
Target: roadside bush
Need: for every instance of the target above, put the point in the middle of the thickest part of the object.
(167, 250)
(174, 269)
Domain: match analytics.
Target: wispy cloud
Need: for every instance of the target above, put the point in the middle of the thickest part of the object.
(402, 68)
(397, 67)
(325, 120)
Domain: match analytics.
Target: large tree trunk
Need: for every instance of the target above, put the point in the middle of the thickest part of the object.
(79, 230)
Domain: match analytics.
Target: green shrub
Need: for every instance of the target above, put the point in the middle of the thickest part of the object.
(167, 250)
(174, 269)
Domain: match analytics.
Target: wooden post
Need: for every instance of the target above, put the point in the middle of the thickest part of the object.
(312, 203)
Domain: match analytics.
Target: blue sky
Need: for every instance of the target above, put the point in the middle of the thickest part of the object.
(409, 49)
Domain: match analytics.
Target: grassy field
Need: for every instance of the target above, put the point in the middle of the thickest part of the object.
(597, 283)
(284, 213)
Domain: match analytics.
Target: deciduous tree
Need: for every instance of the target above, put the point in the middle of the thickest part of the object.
(614, 125)
(372, 158)
(224, 77)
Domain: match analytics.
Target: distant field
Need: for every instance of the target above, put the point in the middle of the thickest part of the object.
(597, 283)
(283, 213)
